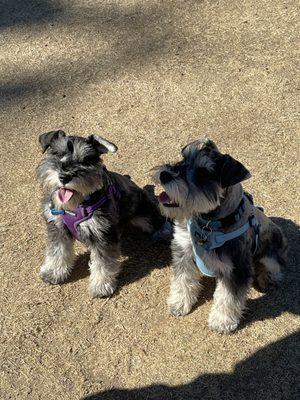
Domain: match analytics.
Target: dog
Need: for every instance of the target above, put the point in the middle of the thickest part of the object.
(218, 232)
(83, 200)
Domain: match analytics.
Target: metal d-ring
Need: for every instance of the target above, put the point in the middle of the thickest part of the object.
(203, 239)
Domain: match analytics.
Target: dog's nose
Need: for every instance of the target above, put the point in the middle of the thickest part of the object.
(165, 177)
(65, 178)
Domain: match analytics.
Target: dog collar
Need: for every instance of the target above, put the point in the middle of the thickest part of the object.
(86, 210)
(204, 238)
(227, 221)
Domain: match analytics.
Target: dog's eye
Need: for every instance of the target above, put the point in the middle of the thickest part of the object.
(179, 170)
(90, 160)
(57, 153)
(202, 176)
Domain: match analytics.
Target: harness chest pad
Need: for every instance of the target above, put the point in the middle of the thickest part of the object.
(86, 211)
(205, 239)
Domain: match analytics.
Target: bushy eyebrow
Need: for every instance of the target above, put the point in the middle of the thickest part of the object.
(203, 161)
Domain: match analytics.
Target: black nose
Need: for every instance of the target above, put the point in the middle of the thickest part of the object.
(65, 178)
(165, 177)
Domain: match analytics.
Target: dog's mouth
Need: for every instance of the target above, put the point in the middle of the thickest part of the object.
(165, 200)
(64, 195)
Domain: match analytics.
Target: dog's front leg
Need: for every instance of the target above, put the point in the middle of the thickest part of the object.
(104, 268)
(228, 306)
(185, 285)
(59, 255)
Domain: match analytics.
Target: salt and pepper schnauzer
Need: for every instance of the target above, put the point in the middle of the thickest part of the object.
(76, 182)
(205, 184)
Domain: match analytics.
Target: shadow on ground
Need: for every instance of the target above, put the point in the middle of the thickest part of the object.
(133, 36)
(143, 256)
(270, 373)
(28, 12)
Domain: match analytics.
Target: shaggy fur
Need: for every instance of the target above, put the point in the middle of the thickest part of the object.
(207, 183)
(74, 164)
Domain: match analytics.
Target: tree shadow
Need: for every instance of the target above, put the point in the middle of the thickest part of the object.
(28, 12)
(271, 373)
(135, 35)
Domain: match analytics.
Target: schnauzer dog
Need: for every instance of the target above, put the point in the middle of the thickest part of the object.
(85, 201)
(218, 232)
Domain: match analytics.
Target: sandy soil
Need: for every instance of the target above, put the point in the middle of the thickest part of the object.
(150, 76)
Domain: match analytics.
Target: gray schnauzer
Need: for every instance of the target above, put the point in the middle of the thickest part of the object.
(85, 201)
(218, 232)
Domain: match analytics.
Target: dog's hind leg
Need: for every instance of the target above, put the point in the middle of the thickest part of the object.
(59, 255)
(104, 268)
(269, 266)
(267, 273)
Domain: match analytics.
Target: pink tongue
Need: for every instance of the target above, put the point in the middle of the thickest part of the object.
(164, 198)
(64, 194)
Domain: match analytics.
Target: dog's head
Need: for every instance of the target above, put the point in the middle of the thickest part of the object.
(72, 167)
(197, 183)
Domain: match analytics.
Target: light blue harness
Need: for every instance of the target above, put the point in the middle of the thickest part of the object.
(205, 239)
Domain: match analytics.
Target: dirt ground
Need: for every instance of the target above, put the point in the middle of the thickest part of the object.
(150, 76)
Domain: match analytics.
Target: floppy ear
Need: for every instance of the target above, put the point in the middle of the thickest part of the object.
(102, 145)
(232, 171)
(46, 138)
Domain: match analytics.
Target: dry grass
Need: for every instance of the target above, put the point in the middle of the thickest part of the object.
(150, 75)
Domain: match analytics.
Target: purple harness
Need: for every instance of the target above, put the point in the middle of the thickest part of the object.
(85, 212)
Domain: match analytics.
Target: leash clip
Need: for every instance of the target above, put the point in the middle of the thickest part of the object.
(202, 237)
(54, 211)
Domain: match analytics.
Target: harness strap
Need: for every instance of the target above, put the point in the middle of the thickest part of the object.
(204, 240)
(219, 238)
(85, 211)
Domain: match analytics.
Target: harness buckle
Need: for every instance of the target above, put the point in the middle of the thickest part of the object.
(201, 237)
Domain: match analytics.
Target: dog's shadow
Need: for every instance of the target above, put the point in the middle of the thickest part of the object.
(269, 373)
(142, 256)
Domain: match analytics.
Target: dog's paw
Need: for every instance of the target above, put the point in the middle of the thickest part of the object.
(222, 323)
(179, 309)
(53, 276)
(100, 288)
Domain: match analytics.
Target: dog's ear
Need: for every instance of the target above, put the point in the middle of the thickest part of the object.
(231, 171)
(102, 145)
(45, 139)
